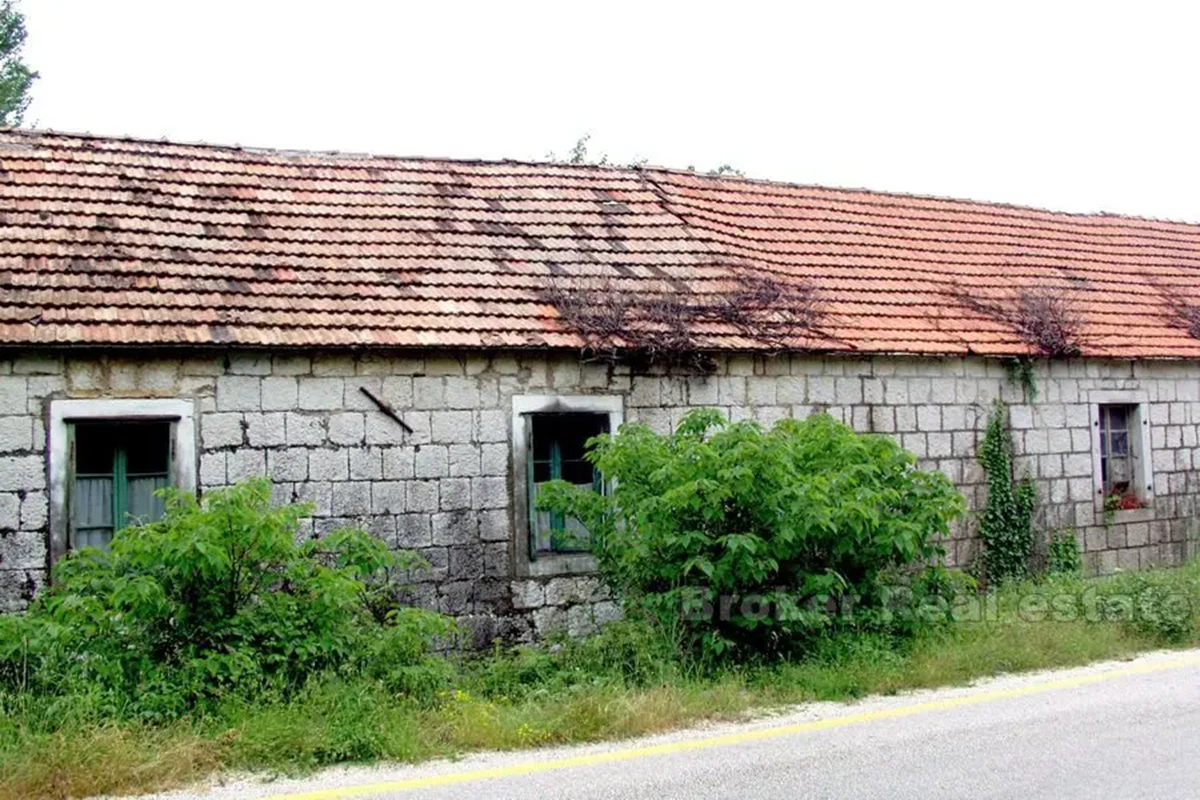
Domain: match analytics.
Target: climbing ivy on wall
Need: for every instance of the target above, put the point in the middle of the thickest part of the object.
(1006, 526)
(1021, 373)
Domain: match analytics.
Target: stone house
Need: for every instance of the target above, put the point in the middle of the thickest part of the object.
(388, 339)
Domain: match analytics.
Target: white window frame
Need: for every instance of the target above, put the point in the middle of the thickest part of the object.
(1141, 458)
(64, 413)
(523, 407)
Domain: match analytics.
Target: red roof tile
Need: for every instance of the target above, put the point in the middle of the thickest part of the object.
(107, 241)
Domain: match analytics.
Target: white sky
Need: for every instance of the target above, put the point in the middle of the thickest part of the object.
(1072, 106)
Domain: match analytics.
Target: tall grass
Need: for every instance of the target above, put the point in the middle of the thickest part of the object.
(624, 682)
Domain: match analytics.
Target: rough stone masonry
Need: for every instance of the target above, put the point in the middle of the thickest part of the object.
(445, 490)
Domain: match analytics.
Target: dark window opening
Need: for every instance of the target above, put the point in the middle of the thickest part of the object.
(558, 445)
(1117, 451)
(117, 467)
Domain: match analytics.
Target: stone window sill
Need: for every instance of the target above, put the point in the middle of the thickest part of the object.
(1128, 516)
(558, 564)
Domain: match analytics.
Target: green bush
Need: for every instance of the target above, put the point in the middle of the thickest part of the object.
(1062, 554)
(741, 541)
(220, 598)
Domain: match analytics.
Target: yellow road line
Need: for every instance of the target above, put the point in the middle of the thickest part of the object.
(741, 737)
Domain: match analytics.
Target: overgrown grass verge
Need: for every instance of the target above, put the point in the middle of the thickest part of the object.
(624, 682)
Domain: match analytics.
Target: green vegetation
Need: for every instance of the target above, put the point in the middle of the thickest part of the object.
(215, 640)
(1062, 554)
(1006, 525)
(218, 603)
(748, 543)
(623, 682)
(15, 77)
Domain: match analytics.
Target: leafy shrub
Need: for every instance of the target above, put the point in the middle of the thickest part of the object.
(741, 541)
(1159, 604)
(1006, 526)
(219, 598)
(1062, 554)
(629, 652)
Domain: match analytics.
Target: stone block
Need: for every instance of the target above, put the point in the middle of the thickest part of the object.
(303, 429)
(489, 492)
(332, 364)
(451, 426)
(244, 463)
(10, 513)
(413, 531)
(455, 528)
(221, 431)
(493, 525)
(431, 461)
(291, 365)
(328, 465)
(455, 494)
(494, 459)
(351, 498)
(321, 394)
(381, 429)
(265, 430)
(929, 418)
(22, 473)
(389, 497)
(528, 594)
(366, 463)
(461, 393)
(239, 393)
(429, 393)
(212, 469)
(290, 464)
(16, 434)
(421, 496)
(848, 391)
(347, 428)
(280, 394)
(492, 426)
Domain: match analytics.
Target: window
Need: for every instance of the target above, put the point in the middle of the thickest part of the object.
(549, 440)
(108, 458)
(558, 448)
(1121, 451)
(1116, 467)
(116, 468)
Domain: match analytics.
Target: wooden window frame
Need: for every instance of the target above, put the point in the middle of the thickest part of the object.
(525, 562)
(1141, 473)
(64, 414)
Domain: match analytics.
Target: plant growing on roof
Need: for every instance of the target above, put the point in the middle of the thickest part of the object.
(1041, 316)
(662, 324)
(1006, 525)
(1184, 314)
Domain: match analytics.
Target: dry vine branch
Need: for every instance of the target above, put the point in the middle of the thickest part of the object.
(1041, 316)
(660, 324)
(771, 311)
(1184, 314)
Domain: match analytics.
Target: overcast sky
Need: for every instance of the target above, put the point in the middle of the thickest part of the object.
(1071, 106)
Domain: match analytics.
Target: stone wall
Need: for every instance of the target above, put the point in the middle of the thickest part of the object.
(445, 489)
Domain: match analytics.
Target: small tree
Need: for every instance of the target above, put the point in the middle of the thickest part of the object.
(747, 541)
(15, 77)
(1006, 526)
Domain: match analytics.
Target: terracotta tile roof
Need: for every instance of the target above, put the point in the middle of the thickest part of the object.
(107, 241)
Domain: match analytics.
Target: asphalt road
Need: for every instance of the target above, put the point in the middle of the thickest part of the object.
(1119, 730)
